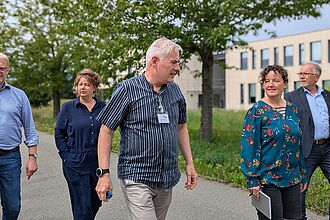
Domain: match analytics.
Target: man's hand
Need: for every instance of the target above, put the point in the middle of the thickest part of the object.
(31, 167)
(191, 177)
(104, 184)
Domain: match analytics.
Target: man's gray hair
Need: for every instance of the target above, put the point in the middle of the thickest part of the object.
(316, 67)
(160, 48)
(4, 57)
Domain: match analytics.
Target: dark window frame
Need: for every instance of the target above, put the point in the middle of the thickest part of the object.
(244, 60)
(254, 59)
(242, 93)
(276, 55)
(287, 59)
(311, 51)
(301, 53)
(264, 62)
(252, 99)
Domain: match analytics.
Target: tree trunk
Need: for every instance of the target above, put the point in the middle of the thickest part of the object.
(207, 94)
(57, 103)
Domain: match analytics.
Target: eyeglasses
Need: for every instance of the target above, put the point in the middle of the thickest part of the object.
(3, 69)
(306, 74)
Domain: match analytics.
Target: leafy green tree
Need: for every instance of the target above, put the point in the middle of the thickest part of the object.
(201, 27)
(111, 36)
(44, 55)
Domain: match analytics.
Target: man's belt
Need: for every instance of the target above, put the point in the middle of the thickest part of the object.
(4, 152)
(321, 141)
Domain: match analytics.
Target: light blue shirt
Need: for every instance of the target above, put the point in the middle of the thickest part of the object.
(320, 113)
(15, 114)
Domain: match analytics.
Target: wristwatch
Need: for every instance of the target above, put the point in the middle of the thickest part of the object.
(35, 155)
(100, 172)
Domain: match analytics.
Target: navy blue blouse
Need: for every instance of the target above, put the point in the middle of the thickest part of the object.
(77, 130)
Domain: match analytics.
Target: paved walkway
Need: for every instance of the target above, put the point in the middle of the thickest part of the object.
(45, 195)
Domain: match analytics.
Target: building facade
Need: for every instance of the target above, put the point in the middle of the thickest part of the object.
(190, 82)
(242, 83)
(238, 86)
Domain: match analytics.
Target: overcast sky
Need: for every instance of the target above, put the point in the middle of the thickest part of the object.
(286, 27)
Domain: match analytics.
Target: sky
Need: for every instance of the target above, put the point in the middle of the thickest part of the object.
(289, 27)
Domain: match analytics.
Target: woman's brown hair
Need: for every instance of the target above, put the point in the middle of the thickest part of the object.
(277, 69)
(91, 76)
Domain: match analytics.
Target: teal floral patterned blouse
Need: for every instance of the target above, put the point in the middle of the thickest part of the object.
(271, 150)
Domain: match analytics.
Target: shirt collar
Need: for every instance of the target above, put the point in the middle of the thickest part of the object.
(5, 86)
(76, 102)
(319, 90)
(150, 85)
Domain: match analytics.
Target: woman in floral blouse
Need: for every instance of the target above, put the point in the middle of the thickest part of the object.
(271, 157)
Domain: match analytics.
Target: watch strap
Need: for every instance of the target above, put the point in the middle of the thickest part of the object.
(101, 172)
(35, 155)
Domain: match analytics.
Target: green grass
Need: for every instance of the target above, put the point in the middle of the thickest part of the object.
(218, 160)
(43, 119)
(318, 195)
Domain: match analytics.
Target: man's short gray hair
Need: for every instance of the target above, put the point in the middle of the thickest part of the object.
(160, 48)
(316, 67)
(4, 57)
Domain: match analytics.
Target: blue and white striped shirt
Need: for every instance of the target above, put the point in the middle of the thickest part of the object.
(148, 149)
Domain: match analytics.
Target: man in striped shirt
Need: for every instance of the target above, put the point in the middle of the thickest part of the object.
(151, 113)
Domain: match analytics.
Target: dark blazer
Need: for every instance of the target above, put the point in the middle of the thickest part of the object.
(298, 97)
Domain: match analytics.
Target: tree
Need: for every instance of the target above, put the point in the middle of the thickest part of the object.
(45, 56)
(114, 35)
(201, 27)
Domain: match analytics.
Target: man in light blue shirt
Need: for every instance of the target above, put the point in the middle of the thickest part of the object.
(15, 114)
(313, 104)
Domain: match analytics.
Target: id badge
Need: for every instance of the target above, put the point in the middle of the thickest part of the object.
(163, 118)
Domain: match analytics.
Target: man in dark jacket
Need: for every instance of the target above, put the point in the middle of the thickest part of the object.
(314, 107)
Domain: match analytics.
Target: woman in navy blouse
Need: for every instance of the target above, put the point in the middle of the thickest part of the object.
(271, 152)
(76, 136)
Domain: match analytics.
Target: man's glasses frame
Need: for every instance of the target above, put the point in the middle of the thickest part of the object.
(306, 74)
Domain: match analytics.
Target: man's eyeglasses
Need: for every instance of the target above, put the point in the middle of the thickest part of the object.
(306, 74)
(3, 69)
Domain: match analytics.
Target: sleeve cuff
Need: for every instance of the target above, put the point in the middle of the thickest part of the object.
(253, 182)
(63, 154)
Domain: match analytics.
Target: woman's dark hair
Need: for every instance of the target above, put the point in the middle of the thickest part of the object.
(277, 69)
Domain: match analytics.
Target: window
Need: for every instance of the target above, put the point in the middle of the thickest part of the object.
(242, 93)
(244, 60)
(301, 54)
(200, 100)
(262, 92)
(264, 58)
(276, 55)
(252, 93)
(296, 85)
(216, 101)
(254, 59)
(328, 51)
(316, 51)
(288, 55)
(326, 84)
